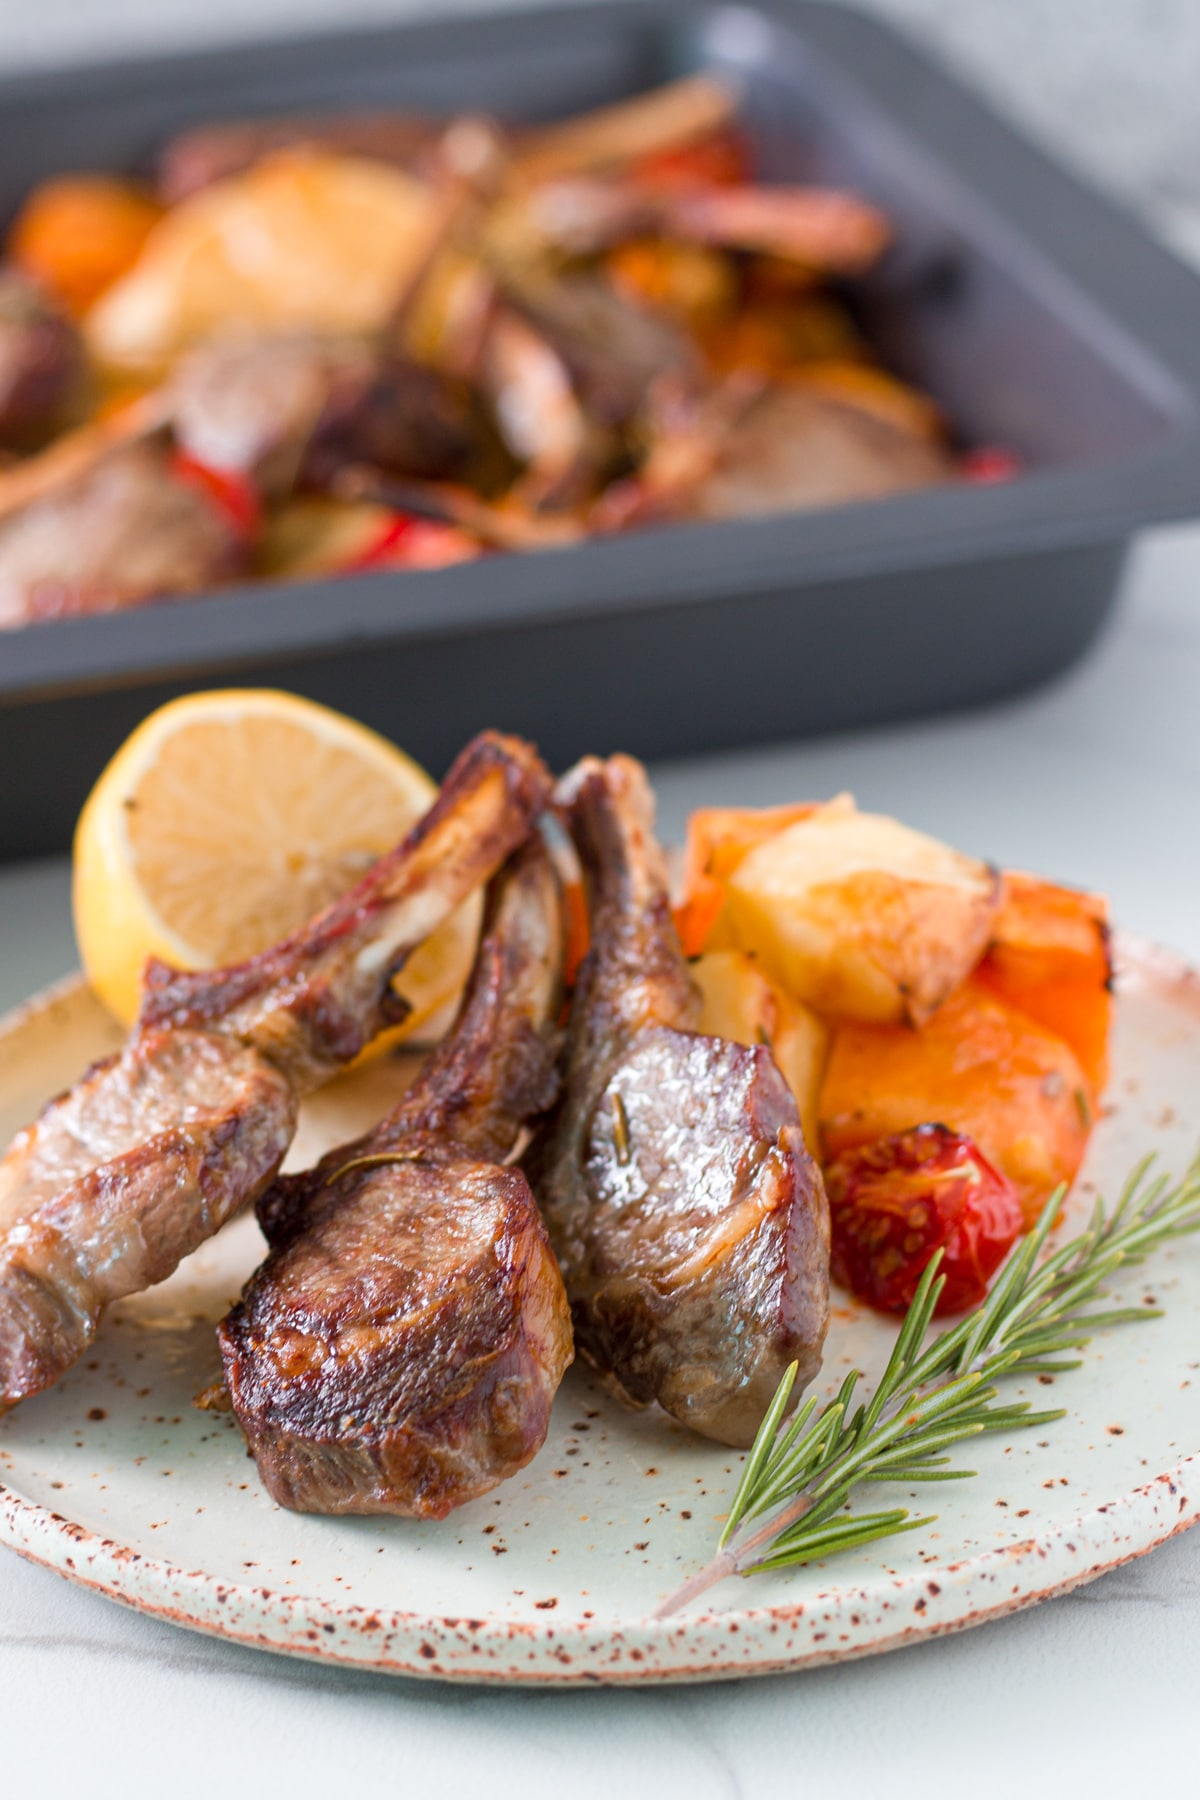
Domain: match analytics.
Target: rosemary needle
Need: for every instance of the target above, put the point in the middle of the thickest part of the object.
(1041, 1310)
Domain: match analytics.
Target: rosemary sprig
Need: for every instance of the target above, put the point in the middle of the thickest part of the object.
(1042, 1309)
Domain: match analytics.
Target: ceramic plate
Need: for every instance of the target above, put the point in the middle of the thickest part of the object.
(115, 1480)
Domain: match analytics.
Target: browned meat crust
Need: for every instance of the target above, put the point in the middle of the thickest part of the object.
(312, 1002)
(614, 350)
(196, 159)
(122, 1177)
(399, 1349)
(41, 362)
(153, 1151)
(689, 1219)
(292, 409)
(794, 448)
(123, 531)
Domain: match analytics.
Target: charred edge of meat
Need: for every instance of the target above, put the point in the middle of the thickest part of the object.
(404, 418)
(42, 364)
(399, 1349)
(196, 159)
(119, 1179)
(608, 807)
(174, 997)
(367, 1378)
(497, 1066)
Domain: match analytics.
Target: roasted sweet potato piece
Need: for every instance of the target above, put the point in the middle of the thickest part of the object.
(862, 918)
(874, 391)
(691, 282)
(77, 234)
(979, 1066)
(579, 935)
(1050, 956)
(780, 334)
(741, 1004)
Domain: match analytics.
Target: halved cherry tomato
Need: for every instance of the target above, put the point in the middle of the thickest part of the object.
(896, 1201)
(234, 495)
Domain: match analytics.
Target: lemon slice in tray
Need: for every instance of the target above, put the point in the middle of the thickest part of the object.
(229, 818)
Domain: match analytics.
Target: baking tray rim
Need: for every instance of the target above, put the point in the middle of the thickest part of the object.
(1071, 504)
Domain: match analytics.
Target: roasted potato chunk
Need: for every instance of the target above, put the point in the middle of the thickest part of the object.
(979, 1066)
(740, 1003)
(861, 918)
(719, 838)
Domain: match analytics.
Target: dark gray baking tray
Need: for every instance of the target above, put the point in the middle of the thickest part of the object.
(1038, 315)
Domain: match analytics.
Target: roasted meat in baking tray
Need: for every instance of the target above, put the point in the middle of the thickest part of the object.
(536, 319)
(154, 1150)
(672, 265)
(399, 1349)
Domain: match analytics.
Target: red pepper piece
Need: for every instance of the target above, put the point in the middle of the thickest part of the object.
(722, 160)
(233, 494)
(989, 464)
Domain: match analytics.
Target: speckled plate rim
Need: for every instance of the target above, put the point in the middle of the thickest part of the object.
(838, 1624)
(932, 1601)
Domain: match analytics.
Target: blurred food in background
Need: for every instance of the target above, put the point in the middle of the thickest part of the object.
(327, 345)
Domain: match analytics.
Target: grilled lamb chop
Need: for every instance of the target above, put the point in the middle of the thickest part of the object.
(614, 349)
(197, 158)
(124, 528)
(41, 362)
(313, 1002)
(152, 1151)
(689, 1219)
(795, 448)
(399, 1349)
(119, 1179)
(683, 112)
(819, 227)
(291, 409)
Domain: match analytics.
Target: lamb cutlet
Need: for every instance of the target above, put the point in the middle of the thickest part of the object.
(399, 1349)
(313, 1002)
(112, 529)
(141, 1161)
(291, 409)
(689, 1220)
(154, 1149)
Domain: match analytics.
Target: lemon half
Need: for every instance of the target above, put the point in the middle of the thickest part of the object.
(229, 818)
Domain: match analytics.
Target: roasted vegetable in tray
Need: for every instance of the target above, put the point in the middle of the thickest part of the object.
(325, 345)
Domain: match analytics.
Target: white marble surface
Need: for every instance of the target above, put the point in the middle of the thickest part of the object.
(1095, 780)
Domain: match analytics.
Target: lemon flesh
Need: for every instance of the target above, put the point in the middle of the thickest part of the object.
(226, 821)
